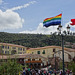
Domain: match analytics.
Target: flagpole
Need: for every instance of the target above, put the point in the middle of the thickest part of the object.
(62, 37)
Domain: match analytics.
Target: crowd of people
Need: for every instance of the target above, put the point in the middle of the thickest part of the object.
(36, 72)
(28, 71)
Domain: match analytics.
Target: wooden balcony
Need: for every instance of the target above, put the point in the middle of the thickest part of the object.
(38, 61)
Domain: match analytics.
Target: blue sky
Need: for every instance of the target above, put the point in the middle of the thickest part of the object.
(26, 16)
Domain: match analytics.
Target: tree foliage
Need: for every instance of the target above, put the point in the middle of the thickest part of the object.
(10, 68)
(72, 66)
(34, 40)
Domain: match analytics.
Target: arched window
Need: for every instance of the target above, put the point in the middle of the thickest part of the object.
(33, 59)
(39, 58)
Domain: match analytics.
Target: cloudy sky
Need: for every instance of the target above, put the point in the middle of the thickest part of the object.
(26, 16)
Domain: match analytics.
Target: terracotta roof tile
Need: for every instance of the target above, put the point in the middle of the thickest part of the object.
(67, 49)
(27, 56)
(12, 45)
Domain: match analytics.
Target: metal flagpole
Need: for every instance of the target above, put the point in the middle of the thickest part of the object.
(63, 55)
(62, 49)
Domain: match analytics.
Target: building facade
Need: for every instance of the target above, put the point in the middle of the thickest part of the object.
(37, 56)
(31, 60)
(6, 48)
(52, 51)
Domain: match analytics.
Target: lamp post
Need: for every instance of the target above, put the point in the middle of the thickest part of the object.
(59, 30)
(55, 62)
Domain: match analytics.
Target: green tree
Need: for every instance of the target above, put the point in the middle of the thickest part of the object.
(60, 65)
(10, 68)
(72, 66)
(35, 40)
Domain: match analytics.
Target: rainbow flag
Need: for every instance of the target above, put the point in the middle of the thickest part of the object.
(52, 21)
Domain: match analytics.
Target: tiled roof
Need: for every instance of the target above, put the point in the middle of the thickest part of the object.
(13, 45)
(27, 56)
(69, 49)
(39, 48)
(44, 47)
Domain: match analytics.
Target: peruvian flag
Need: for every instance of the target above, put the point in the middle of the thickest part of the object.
(73, 22)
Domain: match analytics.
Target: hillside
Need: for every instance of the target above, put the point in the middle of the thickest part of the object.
(34, 40)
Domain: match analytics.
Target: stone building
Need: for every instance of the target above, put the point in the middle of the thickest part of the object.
(52, 51)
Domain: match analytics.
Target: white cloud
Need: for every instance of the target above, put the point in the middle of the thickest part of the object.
(24, 6)
(10, 20)
(42, 30)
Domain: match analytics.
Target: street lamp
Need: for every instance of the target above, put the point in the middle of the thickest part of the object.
(68, 29)
(59, 30)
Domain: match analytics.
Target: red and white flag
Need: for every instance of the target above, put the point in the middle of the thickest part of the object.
(73, 22)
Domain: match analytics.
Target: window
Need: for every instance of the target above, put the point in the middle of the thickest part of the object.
(29, 59)
(54, 50)
(2, 46)
(13, 47)
(32, 52)
(20, 49)
(69, 56)
(38, 52)
(8, 47)
(33, 59)
(43, 52)
(23, 49)
(40, 59)
(6, 52)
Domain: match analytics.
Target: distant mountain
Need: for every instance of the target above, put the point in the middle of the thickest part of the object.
(34, 40)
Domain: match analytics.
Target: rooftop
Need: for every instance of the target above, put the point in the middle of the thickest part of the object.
(12, 45)
(27, 56)
(67, 49)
